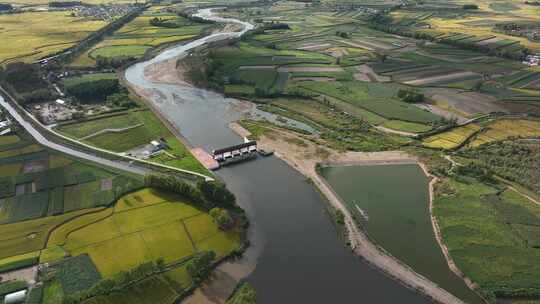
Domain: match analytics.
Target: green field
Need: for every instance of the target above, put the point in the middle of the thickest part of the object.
(148, 128)
(377, 98)
(488, 236)
(36, 183)
(77, 80)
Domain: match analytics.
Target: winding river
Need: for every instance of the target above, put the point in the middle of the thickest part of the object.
(296, 256)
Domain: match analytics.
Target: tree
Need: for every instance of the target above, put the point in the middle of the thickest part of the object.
(217, 193)
(410, 96)
(222, 218)
(199, 267)
(470, 6)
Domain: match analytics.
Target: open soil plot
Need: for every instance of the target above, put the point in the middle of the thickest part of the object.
(315, 47)
(468, 102)
(442, 78)
(374, 43)
(366, 73)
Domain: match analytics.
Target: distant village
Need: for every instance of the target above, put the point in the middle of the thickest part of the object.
(532, 60)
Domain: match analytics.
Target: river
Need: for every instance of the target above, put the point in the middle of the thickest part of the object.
(296, 255)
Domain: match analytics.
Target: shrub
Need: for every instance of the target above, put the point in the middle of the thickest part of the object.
(222, 218)
(200, 266)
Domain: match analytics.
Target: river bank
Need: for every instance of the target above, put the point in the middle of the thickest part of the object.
(304, 156)
(283, 252)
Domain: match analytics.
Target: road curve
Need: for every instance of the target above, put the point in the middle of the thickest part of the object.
(45, 142)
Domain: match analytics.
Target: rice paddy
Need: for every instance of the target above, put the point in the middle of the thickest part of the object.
(157, 226)
(451, 139)
(34, 35)
(507, 128)
(138, 36)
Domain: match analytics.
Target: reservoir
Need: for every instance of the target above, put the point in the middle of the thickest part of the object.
(392, 202)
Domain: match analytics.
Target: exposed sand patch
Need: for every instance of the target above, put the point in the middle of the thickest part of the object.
(357, 45)
(166, 71)
(303, 155)
(366, 73)
(28, 275)
(314, 47)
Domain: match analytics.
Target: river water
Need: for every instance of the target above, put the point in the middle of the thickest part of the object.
(296, 256)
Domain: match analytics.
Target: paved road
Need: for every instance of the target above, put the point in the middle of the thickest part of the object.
(129, 164)
(45, 142)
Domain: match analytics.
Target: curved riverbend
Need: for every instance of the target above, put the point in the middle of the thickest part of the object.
(298, 257)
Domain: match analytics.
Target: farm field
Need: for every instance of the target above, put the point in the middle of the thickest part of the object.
(476, 223)
(145, 225)
(506, 128)
(138, 36)
(40, 183)
(377, 98)
(451, 139)
(33, 35)
(145, 128)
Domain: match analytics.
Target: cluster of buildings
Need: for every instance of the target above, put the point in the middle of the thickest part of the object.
(102, 12)
(5, 125)
(532, 60)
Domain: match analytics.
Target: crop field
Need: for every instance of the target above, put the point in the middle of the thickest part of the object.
(33, 35)
(163, 289)
(147, 225)
(34, 189)
(19, 261)
(147, 128)
(451, 139)
(73, 81)
(477, 223)
(30, 236)
(138, 36)
(377, 98)
(506, 128)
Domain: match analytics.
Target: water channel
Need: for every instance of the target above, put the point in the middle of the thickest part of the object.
(296, 254)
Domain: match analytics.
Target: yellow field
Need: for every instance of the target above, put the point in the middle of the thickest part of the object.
(505, 128)
(9, 139)
(19, 258)
(143, 226)
(451, 139)
(30, 36)
(28, 236)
